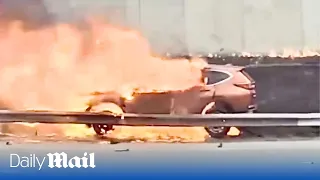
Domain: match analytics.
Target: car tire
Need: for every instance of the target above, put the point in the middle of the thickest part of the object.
(217, 132)
(102, 129)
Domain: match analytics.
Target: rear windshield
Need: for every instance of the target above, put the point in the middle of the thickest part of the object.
(215, 76)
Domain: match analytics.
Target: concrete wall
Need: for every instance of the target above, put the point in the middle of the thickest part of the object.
(206, 26)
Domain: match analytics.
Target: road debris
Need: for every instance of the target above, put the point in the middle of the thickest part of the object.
(8, 143)
(121, 150)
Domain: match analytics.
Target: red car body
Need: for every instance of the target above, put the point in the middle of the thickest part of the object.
(229, 87)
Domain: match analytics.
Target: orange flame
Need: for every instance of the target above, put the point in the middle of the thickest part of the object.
(287, 53)
(234, 132)
(51, 69)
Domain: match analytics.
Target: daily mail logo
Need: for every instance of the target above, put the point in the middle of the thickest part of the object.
(53, 160)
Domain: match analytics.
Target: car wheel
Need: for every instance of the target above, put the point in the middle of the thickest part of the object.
(106, 107)
(217, 132)
(102, 129)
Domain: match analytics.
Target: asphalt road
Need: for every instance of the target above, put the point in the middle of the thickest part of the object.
(295, 153)
(238, 155)
(46, 133)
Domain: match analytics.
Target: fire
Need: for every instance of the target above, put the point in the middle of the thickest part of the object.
(234, 132)
(287, 53)
(51, 68)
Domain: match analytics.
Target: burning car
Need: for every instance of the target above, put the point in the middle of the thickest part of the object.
(225, 89)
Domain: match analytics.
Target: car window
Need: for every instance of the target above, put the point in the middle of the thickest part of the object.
(215, 76)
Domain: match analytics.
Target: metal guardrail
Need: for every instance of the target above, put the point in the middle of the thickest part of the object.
(239, 120)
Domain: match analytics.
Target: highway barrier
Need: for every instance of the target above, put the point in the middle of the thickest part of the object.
(239, 120)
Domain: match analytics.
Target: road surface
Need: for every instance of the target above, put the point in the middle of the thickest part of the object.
(124, 154)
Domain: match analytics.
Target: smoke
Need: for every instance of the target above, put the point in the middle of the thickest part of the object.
(53, 66)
